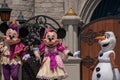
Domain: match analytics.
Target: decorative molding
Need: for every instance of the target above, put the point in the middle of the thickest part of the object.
(88, 61)
(72, 60)
(71, 12)
(71, 20)
(89, 36)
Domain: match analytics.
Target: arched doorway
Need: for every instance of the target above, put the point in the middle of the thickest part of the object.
(106, 8)
(95, 9)
(88, 10)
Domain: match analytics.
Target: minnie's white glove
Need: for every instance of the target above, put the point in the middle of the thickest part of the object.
(36, 53)
(25, 57)
(76, 54)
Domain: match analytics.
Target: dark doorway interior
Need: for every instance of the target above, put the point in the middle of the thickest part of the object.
(106, 8)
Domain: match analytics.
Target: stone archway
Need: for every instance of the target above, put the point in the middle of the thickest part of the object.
(88, 10)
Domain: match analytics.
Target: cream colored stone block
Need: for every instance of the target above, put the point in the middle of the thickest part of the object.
(73, 68)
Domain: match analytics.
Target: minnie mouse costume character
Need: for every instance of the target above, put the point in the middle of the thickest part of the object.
(52, 67)
(12, 49)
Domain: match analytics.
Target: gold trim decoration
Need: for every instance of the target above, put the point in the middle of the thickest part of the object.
(70, 12)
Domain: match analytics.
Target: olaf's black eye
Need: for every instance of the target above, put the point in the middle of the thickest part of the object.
(107, 36)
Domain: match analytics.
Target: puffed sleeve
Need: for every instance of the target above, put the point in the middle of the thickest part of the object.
(42, 47)
(63, 49)
(19, 49)
(23, 53)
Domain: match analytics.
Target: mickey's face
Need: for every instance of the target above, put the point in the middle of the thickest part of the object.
(11, 37)
(51, 39)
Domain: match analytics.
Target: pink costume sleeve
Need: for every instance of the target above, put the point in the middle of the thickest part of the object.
(64, 50)
(61, 47)
(23, 53)
(19, 49)
(42, 47)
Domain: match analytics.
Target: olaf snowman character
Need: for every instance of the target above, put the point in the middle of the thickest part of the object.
(105, 67)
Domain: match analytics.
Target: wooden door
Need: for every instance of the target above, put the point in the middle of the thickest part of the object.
(89, 46)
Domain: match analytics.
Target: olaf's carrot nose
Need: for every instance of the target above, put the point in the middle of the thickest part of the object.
(100, 38)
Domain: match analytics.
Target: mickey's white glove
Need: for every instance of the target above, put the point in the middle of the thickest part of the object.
(76, 54)
(25, 57)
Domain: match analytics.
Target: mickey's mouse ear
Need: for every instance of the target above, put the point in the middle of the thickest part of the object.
(61, 33)
(3, 27)
(23, 32)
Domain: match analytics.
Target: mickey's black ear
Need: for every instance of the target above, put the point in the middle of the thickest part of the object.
(61, 33)
(3, 27)
(23, 32)
(41, 33)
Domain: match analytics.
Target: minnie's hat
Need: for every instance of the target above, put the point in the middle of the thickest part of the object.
(48, 30)
(13, 25)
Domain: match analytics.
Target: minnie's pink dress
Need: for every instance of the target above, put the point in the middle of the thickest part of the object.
(52, 65)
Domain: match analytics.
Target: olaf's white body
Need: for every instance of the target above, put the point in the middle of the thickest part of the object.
(104, 70)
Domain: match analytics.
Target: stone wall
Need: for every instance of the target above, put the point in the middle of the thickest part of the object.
(30, 8)
(51, 8)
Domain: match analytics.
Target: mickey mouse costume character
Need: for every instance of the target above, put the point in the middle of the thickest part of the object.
(106, 68)
(52, 67)
(12, 49)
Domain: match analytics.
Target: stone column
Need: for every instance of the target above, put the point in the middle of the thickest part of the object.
(71, 22)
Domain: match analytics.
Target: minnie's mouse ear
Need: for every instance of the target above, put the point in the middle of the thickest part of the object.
(3, 27)
(61, 33)
(41, 33)
(23, 32)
